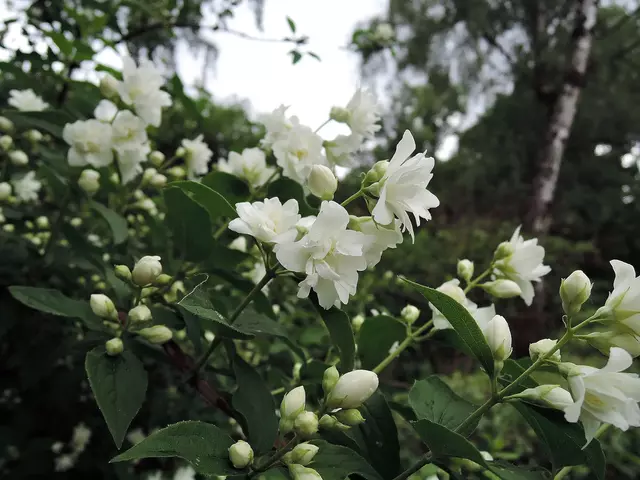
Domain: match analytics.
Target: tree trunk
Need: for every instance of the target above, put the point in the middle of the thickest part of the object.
(563, 113)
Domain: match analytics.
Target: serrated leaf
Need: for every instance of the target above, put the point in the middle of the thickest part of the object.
(462, 322)
(376, 337)
(203, 445)
(432, 399)
(229, 186)
(255, 403)
(117, 223)
(119, 385)
(334, 462)
(214, 202)
(339, 326)
(189, 223)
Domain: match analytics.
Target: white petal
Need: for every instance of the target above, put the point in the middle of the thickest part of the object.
(625, 273)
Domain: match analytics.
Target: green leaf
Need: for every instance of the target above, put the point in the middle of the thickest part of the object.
(229, 186)
(194, 329)
(197, 303)
(52, 301)
(296, 56)
(285, 189)
(379, 435)
(50, 121)
(292, 25)
(117, 223)
(119, 385)
(65, 46)
(446, 443)
(203, 445)
(334, 462)
(190, 224)
(214, 202)
(256, 323)
(462, 322)
(255, 403)
(377, 336)
(432, 399)
(339, 326)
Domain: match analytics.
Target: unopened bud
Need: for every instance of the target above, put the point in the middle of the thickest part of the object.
(177, 172)
(114, 346)
(552, 396)
(109, 86)
(158, 180)
(302, 454)
(5, 142)
(498, 337)
(146, 270)
(306, 424)
(156, 158)
(626, 340)
(384, 33)
(298, 472)
(504, 250)
(542, 347)
(158, 334)
(353, 389)
(357, 322)
(148, 174)
(5, 190)
(34, 136)
(123, 272)
(574, 291)
(329, 379)
(6, 125)
(163, 279)
(18, 158)
(181, 152)
(103, 306)
(139, 314)
(502, 288)
(322, 182)
(351, 417)
(410, 314)
(292, 405)
(340, 114)
(329, 422)
(465, 269)
(375, 174)
(241, 454)
(89, 181)
(42, 222)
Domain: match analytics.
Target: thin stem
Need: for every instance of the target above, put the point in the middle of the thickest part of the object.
(565, 471)
(277, 456)
(353, 197)
(323, 124)
(402, 347)
(234, 316)
(477, 280)
(426, 458)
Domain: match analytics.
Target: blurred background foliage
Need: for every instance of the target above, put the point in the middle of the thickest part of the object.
(480, 73)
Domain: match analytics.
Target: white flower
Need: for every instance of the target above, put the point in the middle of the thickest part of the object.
(292, 404)
(297, 151)
(379, 238)
(105, 111)
(623, 304)
(276, 124)
(27, 101)
(197, 156)
(65, 462)
(498, 335)
(616, 337)
(129, 131)
(130, 161)
(140, 87)
(604, 395)
(80, 438)
(353, 389)
(363, 113)
(330, 255)
(404, 187)
(90, 142)
(523, 266)
(452, 288)
(184, 473)
(250, 165)
(26, 188)
(339, 150)
(269, 221)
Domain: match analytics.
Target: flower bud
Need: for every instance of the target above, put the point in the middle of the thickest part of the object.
(158, 180)
(34, 136)
(542, 347)
(103, 306)
(177, 172)
(122, 272)
(498, 337)
(375, 174)
(6, 125)
(9, 228)
(306, 424)
(5, 190)
(384, 33)
(410, 314)
(163, 279)
(156, 158)
(502, 288)
(114, 346)
(109, 86)
(329, 422)
(302, 454)
(552, 396)
(42, 222)
(353, 389)
(89, 181)
(146, 270)
(241, 454)
(465, 269)
(340, 114)
(504, 250)
(18, 158)
(298, 472)
(148, 174)
(574, 291)
(75, 222)
(158, 334)
(351, 417)
(356, 323)
(139, 314)
(329, 379)
(292, 404)
(603, 341)
(322, 182)
(181, 152)
(5, 142)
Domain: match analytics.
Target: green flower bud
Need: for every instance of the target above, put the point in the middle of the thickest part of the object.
(114, 347)
(156, 158)
(241, 454)
(340, 114)
(328, 422)
(574, 291)
(123, 272)
(140, 314)
(357, 322)
(502, 288)
(376, 174)
(504, 250)
(410, 314)
(302, 454)
(329, 379)
(158, 334)
(103, 306)
(322, 182)
(351, 417)
(465, 269)
(306, 424)
(542, 347)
